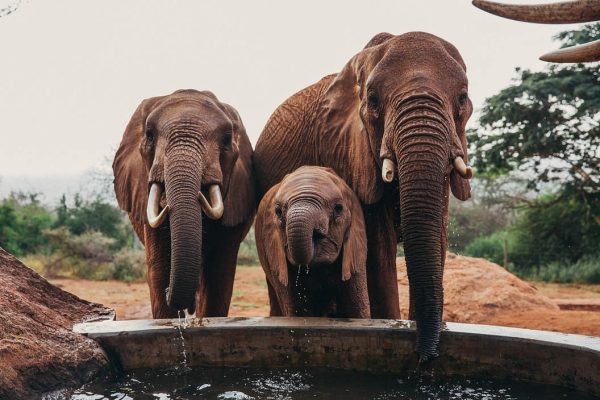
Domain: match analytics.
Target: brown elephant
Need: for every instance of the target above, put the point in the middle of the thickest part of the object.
(176, 151)
(311, 241)
(392, 125)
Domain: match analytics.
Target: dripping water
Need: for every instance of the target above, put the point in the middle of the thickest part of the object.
(181, 325)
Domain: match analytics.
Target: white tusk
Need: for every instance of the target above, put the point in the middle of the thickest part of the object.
(154, 218)
(214, 211)
(463, 169)
(387, 170)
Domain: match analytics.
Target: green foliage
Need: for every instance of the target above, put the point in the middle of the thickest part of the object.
(559, 230)
(79, 255)
(490, 247)
(585, 270)
(95, 215)
(22, 220)
(547, 122)
(127, 265)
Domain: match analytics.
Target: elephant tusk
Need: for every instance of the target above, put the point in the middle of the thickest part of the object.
(387, 170)
(463, 169)
(588, 52)
(214, 211)
(564, 12)
(154, 218)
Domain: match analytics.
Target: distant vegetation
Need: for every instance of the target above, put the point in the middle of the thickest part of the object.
(89, 239)
(545, 128)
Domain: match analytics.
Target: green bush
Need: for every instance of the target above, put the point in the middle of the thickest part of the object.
(490, 247)
(586, 270)
(78, 255)
(127, 265)
(22, 222)
(558, 231)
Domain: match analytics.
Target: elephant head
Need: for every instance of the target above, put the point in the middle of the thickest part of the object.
(396, 113)
(179, 153)
(311, 218)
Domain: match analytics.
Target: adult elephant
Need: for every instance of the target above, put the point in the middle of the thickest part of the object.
(392, 125)
(176, 151)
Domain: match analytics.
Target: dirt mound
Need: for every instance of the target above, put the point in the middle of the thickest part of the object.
(38, 351)
(478, 291)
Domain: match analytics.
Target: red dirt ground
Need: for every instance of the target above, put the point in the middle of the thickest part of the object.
(476, 291)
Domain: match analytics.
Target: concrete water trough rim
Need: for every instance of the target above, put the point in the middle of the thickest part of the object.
(374, 345)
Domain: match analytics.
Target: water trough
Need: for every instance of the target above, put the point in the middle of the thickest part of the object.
(466, 350)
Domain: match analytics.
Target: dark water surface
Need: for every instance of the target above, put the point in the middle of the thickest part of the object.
(242, 383)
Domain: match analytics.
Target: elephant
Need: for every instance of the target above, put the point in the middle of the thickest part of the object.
(311, 241)
(391, 123)
(183, 172)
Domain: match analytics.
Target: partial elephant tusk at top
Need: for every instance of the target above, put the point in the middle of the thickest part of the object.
(463, 169)
(214, 211)
(387, 170)
(588, 52)
(564, 12)
(154, 218)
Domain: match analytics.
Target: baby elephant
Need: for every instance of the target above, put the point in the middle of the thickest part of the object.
(311, 240)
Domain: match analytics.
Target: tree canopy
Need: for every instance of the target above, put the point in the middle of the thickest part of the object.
(547, 122)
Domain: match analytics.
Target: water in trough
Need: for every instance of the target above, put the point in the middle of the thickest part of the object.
(302, 384)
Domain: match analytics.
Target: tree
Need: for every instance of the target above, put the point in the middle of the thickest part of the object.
(547, 125)
(95, 215)
(547, 122)
(22, 221)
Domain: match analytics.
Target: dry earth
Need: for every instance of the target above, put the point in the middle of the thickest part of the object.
(476, 291)
(38, 350)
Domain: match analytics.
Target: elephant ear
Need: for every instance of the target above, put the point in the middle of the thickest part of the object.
(461, 188)
(355, 244)
(345, 145)
(131, 176)
(240, 200)
(269, 240)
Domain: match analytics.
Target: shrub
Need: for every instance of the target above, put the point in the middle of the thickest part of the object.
(490, 247)
(586, 270)
(128, 265)
(78, 255)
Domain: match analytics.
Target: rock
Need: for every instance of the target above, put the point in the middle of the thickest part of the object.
(478, 291)
(38, 351)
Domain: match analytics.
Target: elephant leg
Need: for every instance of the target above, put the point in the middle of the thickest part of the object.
(353, 299)
(219, 268)
(381, 261)
(158, 264)
(275, 308)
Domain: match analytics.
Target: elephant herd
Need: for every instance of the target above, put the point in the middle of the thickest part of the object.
(343, 171)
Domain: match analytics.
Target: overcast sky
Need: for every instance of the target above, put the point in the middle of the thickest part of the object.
(72, 71)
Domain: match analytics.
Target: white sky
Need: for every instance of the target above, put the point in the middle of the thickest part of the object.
(72, 72)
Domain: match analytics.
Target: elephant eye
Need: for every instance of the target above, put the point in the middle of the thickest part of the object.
(462, 99)
(278, 211)
(373, 101)
(149, 136)
(338, 209)
(226, 141)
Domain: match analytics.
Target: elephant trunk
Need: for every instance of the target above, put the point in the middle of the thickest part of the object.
(183, 176)
(421, 152)
(300, 233)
